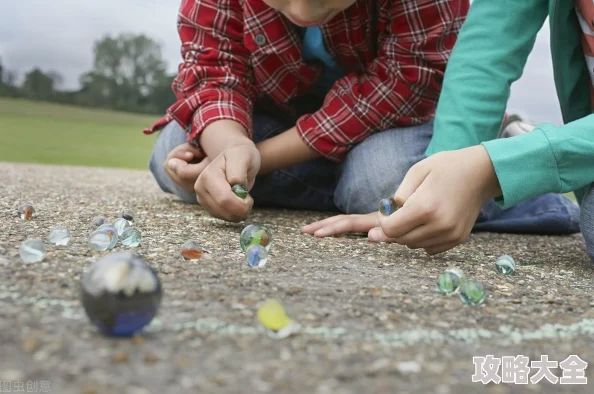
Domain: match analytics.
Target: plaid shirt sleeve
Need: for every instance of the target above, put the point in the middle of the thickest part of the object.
(214, 81)
(399, 88)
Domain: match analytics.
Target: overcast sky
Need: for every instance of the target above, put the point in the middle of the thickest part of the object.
(59, 34)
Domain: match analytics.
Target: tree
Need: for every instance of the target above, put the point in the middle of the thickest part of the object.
(127, 70)
(39, 85)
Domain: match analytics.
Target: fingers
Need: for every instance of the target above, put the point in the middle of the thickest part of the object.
(412, 180)
(441, 248)
(403, 220)
(214, 193)
(348, 224)
(315, 226)
(181, 155)
(377, 235)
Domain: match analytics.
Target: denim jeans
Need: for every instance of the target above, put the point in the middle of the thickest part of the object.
(372, 170)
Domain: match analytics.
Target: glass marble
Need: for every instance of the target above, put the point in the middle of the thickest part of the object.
(255, 234)
(240, 191)
(121, 224)
(505, 265)
(121, 294)
(448, 283)
(191, 251)
(97, 222)
(458, 272)
(256, 256)
(32, 251)
(112, 232)
(273, 317)
(387, 206)
(472, 292)
(131, 237)
(59, 236)
(127, 214)
(99, 240)
(26, 211)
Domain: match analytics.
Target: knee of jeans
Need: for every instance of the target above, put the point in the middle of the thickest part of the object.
(587, 221)
(375, 168)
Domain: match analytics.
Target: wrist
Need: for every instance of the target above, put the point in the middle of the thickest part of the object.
(490, 186)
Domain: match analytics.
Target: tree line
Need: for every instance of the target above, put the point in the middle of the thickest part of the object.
(128, 74)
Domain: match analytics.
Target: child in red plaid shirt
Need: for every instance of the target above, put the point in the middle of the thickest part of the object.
(311, 104)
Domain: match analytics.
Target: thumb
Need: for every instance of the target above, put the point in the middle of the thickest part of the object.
(412, 180)
(236, 169)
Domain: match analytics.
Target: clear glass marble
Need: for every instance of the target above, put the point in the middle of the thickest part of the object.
(256, 256)
(448, 283)
(32, 251)
(458, 272)
(240, 191)
(505, 265)
(191, 251)
(255, 234)
(131, 238)
(59, 236)
(127, 214)
(121, 294)
(387, 206)
(472, 292)
(98, 221)
(112, 232)
(121, 224)
(99, 240)
(26, 211)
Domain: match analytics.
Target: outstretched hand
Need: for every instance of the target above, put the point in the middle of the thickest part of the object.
(441, 198)
(341, 224)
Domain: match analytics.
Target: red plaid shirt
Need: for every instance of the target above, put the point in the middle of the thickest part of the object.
(236, 51)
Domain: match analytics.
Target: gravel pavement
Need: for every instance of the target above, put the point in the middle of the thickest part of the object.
(371, 319)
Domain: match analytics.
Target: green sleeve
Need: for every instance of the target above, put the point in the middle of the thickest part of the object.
(548, 159)
(489, 55)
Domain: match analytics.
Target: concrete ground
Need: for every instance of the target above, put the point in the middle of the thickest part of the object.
(371, 319)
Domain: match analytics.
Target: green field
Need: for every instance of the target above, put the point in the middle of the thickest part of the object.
(35, 132)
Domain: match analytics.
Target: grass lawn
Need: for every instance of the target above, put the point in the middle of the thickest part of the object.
(35, 132)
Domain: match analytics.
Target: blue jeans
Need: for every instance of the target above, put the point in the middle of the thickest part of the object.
(372, 170)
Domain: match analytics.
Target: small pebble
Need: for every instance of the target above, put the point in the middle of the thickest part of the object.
(120, 357)
(151, 358)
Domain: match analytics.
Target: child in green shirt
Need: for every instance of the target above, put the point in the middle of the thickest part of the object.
(442, 196)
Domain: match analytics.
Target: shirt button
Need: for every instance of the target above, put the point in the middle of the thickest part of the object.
(260, 39)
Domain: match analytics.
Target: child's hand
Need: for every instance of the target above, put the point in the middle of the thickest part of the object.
(237, 164)
(441, 198)
(341, 224)
(184, 164)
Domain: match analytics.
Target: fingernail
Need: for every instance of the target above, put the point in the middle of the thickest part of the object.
(171, 164)
(320, 233)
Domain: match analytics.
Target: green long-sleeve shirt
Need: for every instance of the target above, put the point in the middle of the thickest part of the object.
(490, 54)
